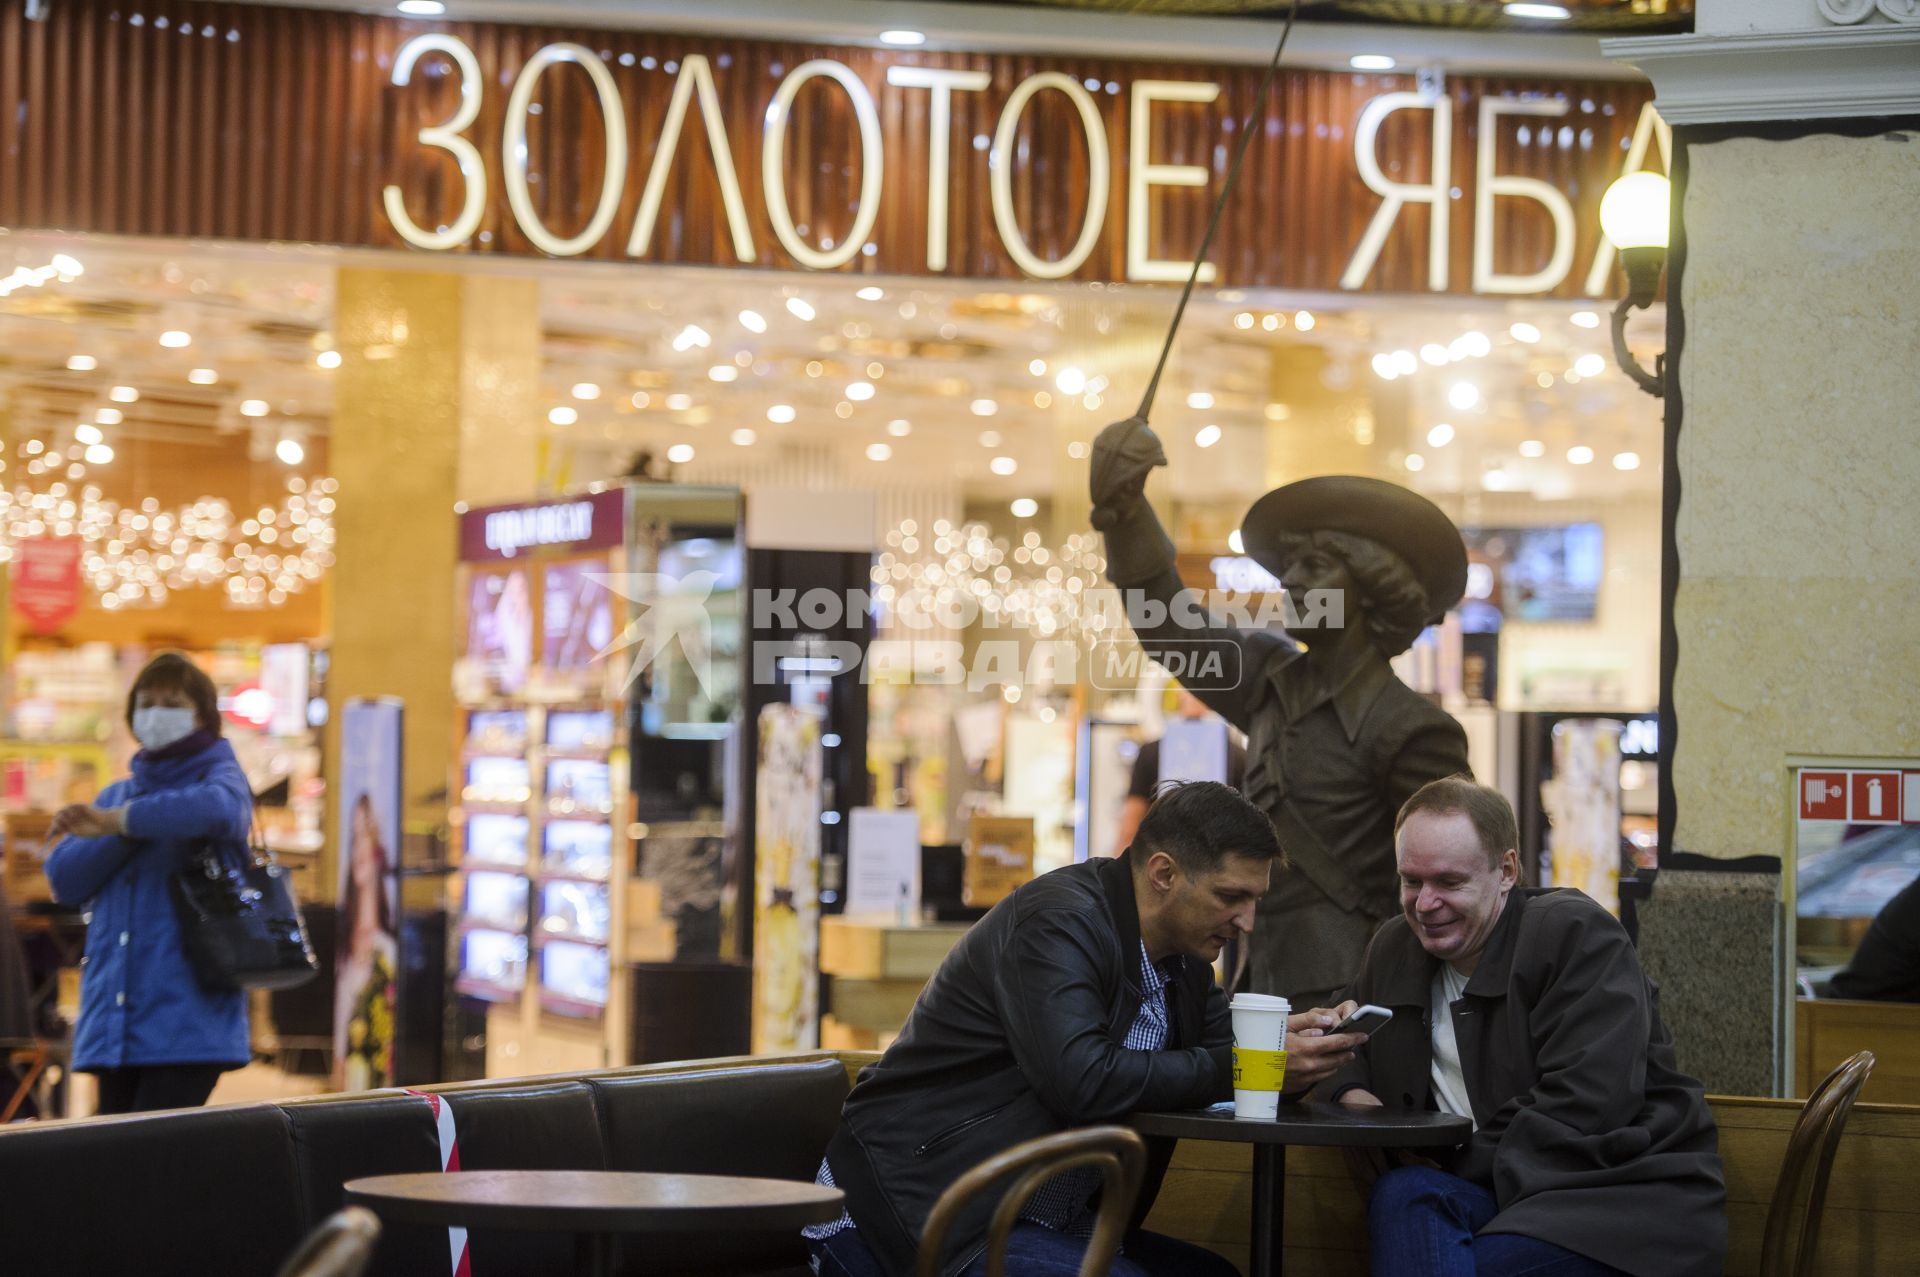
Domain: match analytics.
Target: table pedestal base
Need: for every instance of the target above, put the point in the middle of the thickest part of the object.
(1269, 1208)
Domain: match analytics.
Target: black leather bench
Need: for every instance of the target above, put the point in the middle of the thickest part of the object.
(231, 1190)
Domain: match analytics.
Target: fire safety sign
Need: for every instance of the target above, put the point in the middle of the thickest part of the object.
(1881, 797)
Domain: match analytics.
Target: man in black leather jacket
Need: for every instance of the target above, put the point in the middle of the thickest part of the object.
(1084, 996)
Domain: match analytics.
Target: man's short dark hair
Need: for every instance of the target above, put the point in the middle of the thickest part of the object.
(1486, 808)
(1202, 822)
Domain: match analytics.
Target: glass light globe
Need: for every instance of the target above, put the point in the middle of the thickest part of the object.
(1634, 211)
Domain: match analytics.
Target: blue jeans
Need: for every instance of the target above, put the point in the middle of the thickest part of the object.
(1034, 1251)
(1426, 1223)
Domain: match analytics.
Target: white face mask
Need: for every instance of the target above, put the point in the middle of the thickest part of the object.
(158, 726)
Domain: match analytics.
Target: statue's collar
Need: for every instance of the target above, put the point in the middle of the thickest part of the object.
(1357, 687)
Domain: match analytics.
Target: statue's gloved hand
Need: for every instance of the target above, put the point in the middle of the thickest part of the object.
(1123, 454)
(1138, 548)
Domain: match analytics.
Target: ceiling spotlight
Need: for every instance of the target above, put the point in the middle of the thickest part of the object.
(753, 321)
(99, 454)
(67, 267)
(109, 416)
(1206, 436)
(1370, 62)
(902, 38)
(1463, 395)
(1038, 367)
(124, 394)
(1383, 367)
(174, 339)
(1434, 353)
(1416, 462)
(82, 363)
(1626, 461)
(723, 373)
(1303, 320)
(1549, 12)
(679, 403)
(1585, 319)
(1476, 344)
(984, 407)
(1405, 363)
(690, 336)
(1024, 507)
(900, 428)
(680, 453)
(1579, 454)
(859, 390)
(1590, 365)
(1003, 465)
(799, 309)
(1440, 436)
(252, 407)
(561, 415)
(1532, 448)
(84, 434)
(289, 451)
(328, 359)
(203, 377)
(586, 390)
(421, 8)
(1271, 323)
(878, 451)
(744, 436)
(640, 399)
(1070, 381)
(780, 414)
(871, 293)
(1243, 320)
(1200, 399)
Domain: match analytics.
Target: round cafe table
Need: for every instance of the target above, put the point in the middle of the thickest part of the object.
(596, 1204)
(1312, 1124)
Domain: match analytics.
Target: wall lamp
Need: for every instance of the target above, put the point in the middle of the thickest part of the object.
(1634, 214)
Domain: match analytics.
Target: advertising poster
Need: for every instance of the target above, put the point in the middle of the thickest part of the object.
(786, 894)
(500, 629)
(46, 581)
(366, 973)
(1583, 803)
(576, 615)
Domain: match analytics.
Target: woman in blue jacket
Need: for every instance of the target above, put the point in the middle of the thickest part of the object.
(148, 1030)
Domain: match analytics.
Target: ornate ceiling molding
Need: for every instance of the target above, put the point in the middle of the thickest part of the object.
(1823, 73)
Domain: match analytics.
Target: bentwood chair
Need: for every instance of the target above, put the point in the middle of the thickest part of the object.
(1800, 1194)
(340, 1247)
(1118, 1153)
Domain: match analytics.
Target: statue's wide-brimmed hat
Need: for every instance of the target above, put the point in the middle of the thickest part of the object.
(1404, 521)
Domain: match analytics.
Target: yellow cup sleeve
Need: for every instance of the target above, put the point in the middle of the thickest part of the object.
(1258, 1070)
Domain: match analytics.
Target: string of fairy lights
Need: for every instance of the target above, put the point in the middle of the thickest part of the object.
(138, 555)
(956, 575)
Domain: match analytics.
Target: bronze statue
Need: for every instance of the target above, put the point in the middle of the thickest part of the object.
(1335, 742)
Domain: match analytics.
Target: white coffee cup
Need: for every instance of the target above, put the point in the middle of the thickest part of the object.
(1259, 1054)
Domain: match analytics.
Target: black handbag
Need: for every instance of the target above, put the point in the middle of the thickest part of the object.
(239, 922)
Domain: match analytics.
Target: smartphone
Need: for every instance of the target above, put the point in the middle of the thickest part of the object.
(1367, 1019)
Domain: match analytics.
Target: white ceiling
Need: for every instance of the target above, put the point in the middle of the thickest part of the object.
(929, 349)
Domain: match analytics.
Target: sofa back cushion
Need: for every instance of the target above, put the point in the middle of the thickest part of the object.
(771, 1121)
(539, 1127)
(211, 1192)
(336, 1140)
